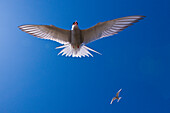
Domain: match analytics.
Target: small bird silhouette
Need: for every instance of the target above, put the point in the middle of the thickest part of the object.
(117, 97)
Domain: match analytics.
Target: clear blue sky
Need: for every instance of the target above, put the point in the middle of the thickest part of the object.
(33, 79)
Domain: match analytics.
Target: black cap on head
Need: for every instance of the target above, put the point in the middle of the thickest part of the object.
(75, 23)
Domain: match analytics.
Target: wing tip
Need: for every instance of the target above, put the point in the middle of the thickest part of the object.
(120, 89)
(141, 16)
(20, 26)
(24, 26)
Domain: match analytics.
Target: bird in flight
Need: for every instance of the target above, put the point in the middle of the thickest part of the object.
(74, 41)
(117, 97)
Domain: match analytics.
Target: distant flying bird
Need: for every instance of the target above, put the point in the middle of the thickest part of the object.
(117, 97)
(74, 40)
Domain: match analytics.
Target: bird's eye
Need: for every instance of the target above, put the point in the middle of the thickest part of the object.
(73, 22)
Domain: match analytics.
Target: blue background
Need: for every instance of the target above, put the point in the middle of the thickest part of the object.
(33, 79)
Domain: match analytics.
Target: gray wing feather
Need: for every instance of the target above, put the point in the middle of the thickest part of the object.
(47, 32)
(108, 28)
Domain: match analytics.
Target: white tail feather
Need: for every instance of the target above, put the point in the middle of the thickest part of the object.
(61, 46)
(79, 52)
(92, 50)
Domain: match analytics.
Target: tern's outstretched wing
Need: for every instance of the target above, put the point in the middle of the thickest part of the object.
(112, 100)
(47, 32)
(108, 28)
(117, 94)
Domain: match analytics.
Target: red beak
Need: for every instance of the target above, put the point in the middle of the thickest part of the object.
(76, 23)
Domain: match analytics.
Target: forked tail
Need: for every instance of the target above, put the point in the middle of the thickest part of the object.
(79, 52)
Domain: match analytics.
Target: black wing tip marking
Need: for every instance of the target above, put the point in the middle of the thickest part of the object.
(22, 28)
(141, 16)
(31, 25)
(25, 25)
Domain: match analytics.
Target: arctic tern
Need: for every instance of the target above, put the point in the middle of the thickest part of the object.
(117, 97)
(74, 41)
